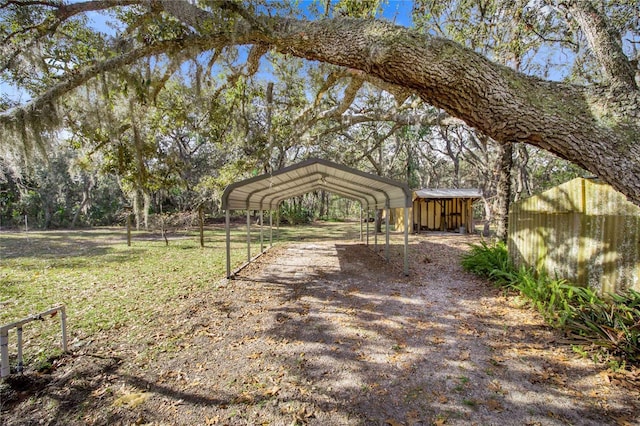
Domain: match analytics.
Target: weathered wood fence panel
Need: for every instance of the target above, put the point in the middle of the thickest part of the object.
(582, 230)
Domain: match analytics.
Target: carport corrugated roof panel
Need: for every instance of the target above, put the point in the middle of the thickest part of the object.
(448, 193)
(265, 191)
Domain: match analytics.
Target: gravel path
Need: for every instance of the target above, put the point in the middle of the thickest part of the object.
(439, 347)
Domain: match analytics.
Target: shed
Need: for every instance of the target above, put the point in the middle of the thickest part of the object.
(442, 210)
(582, 230)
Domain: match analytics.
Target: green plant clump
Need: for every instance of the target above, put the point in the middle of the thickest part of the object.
(611, 323)
(489, 261)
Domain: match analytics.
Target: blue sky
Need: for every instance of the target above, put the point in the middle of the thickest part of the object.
(399, 12)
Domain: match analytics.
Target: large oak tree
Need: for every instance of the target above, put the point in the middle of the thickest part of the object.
(596, 126)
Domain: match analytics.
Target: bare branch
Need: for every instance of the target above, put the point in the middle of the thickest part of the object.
(332, 79)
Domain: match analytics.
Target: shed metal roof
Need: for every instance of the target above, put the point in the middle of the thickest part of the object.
(448, 193)
(266, 191)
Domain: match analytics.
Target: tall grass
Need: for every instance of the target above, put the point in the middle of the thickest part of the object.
(611, 323)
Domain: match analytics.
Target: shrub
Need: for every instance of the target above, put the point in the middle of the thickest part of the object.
(489, 261)
(611, 323)
(295, 215)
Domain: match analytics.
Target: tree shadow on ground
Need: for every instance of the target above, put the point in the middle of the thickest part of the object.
(389, 347)
(67, 248)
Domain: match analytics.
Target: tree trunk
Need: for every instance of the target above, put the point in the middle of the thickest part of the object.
(135, 204)
(504, 191)
(522, 179)
(201, 223)
(89, 183)
(379, 221)
(605, 46)
(146, 207)
(486, 229)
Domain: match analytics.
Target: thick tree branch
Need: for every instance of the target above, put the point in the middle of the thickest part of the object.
(604, 44)
(507, 106)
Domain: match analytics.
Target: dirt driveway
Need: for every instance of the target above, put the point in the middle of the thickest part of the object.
(327, 333)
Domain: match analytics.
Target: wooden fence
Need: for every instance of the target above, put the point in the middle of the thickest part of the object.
(582, 230)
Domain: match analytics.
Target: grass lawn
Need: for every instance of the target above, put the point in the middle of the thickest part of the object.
(106, 285)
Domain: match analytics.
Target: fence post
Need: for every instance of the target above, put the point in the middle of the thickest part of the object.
(63, 324)
(4, 353)
(20, 363)
(5, 368)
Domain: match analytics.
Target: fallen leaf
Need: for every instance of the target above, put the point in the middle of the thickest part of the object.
(440, 421)
(623, 421)
(413, 417)
(131, 400)
(272, 391)
(496, 387)
(495, 405)
(393, 422)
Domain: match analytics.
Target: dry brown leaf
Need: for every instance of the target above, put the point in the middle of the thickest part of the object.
(495, 405)
(604, 376)
(624, 421)
(244, 398)
(212, 420)
(392, 422)
(440, 421)
(496, 387)
(131, 400)
(272, 391)
(413, 417)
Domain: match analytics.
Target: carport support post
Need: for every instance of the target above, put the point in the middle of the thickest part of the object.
(406, 241)
(278, 222)
(375, 231)
(386, 223)
(360, 222)
(227, 221)
(368, 213)
(248, 235)
(261, 233)
(270, 228)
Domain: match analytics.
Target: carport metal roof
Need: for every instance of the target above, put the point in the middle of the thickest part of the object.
(448, 193)
(266, 191)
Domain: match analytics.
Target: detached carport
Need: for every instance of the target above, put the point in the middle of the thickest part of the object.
(266, 192)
